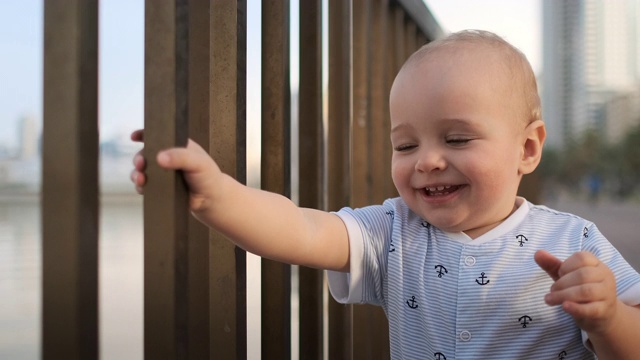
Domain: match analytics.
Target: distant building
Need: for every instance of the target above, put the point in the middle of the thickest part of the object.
(28, 136)
(591, 60)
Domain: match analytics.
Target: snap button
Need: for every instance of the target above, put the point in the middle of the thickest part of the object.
(465, 335)
(469, 261)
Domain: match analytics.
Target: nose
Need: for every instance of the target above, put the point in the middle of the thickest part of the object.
(430, 160)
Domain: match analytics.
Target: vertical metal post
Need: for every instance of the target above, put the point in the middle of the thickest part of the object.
(311, 169)
(391, 68)
(198, 249)
(380, 145)
(370, 335)
(70, 181)
(338, 187)
(400, 51)
(227, 139)
(165, 200)
(361, 177)
(421, 39)
(410, 33)
(275, 172)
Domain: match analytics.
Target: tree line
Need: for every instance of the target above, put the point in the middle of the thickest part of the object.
(592, 163)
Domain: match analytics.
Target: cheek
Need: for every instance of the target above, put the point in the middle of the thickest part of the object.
(400, 173)
(497, 175)
(395, 173)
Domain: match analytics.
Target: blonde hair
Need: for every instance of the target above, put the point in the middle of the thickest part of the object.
(514, 60)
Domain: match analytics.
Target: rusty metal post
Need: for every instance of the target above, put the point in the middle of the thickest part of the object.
(275, 171)
(361, 177)
(399, 37)
(70, 181)
(410, 33)
(380, 88)
(391, 68)
(417, 13)
(338, 187)
(311, 170)
(165, 200)
(370, 335)
(198, 249)
(227, 145)
(421, 39)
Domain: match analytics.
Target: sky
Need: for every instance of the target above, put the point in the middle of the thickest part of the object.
(122, 54)
(518, 21)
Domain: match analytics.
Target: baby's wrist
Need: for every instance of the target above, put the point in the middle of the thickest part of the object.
(605, 328)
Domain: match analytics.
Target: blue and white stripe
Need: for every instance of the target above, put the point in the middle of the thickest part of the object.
(396, 258)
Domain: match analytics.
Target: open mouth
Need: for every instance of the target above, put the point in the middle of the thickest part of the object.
(441, 190)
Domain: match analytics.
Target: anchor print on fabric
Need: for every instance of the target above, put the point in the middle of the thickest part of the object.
(521, 239)
(482, 277)
(412, 303)
(562, 355)
(392, 247)
(441, 270)
(585, 232)
(439, 356)
(425, 224)
(525, 320)
(391, 213)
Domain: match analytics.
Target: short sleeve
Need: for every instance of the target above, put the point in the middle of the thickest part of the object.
(369, 229)
(627, 278)
(346, 288)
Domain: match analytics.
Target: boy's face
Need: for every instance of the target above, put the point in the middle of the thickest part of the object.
(457, 142)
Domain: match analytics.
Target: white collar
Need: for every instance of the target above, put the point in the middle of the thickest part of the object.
(505, 226)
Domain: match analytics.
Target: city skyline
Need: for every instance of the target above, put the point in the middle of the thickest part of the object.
(592, 69)
(122, 56)
(122, 59)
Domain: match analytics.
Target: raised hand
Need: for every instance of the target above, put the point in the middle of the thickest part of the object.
(202, 174)
(584, 287)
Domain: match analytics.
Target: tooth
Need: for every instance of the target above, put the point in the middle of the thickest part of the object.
(448, 186)
(440, 188)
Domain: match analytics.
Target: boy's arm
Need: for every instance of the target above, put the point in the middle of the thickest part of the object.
(272, 226)
(264, 223)
(586, 289)
(621, 340)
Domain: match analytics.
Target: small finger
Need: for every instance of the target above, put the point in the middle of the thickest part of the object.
(549, 263)
(138, 162)
(138, 178)
(578, 260)
(181, 159)
(591, 310)
(582, 294)
(138, 135)
(583, 275)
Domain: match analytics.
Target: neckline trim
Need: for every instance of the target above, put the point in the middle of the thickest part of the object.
(505, 226)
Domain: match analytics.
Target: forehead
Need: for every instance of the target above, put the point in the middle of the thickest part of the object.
(446, 85)
(469, 58)
(453, 74)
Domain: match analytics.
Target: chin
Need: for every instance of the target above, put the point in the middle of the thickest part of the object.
(446, 225)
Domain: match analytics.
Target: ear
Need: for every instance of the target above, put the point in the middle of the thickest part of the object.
(535, 134)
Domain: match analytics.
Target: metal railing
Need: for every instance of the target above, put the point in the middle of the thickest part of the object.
(195, 86)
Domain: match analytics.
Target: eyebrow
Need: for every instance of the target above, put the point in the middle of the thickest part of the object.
(461, 121)
(450, 121)
(400, 127)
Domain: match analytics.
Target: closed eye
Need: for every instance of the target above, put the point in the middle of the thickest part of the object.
(405, 147)
(458, 140)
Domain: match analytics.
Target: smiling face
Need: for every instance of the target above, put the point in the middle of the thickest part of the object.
(458, 139)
